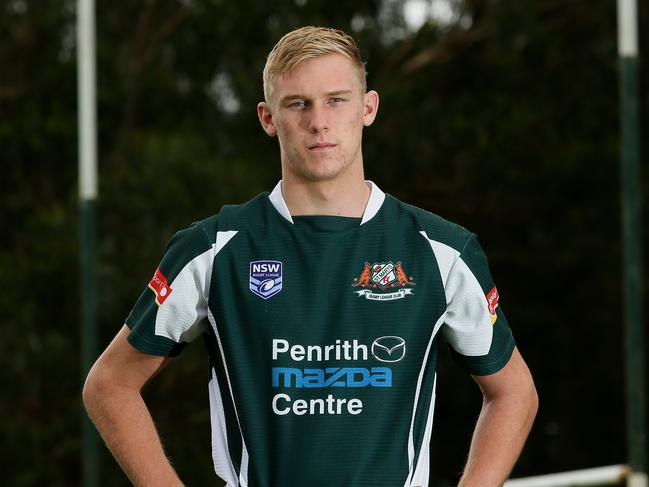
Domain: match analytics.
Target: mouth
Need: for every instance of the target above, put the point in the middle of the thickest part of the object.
(321, 147)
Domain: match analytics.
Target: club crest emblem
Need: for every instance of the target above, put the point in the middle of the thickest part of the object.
(265, 278)
(383, 276)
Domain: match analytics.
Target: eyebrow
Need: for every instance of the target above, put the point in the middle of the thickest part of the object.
(298, 96)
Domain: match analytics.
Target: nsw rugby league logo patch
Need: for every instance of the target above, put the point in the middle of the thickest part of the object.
(265, 278)
(379, 277)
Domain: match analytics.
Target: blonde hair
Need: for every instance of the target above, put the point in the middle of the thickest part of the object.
(309, 43)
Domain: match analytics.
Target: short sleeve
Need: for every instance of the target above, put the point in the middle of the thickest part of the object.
(475, 325)
(172, 309)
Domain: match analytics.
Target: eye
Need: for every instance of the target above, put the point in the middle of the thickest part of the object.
(299, 104)
(336, 100)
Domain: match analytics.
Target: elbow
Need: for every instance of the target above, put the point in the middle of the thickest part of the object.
(533, 402)
(96, 390)
(90, 391)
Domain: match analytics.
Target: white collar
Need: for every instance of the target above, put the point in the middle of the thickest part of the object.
(373, 203)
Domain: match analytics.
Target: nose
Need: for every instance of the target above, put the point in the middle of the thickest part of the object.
(318, 120)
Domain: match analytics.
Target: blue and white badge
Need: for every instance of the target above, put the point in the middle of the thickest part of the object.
(265, 278)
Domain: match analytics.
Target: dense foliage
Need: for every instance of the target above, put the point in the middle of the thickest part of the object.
(505, 120)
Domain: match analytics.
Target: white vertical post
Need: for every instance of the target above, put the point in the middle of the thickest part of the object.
(632, 244)
(87, 120)
(87, 99)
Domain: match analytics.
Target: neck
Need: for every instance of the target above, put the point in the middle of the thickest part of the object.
(336, 198)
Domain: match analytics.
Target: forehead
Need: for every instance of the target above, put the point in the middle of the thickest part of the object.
(324, 74)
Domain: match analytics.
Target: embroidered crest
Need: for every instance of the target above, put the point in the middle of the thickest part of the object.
(383, 276)
(265, 278)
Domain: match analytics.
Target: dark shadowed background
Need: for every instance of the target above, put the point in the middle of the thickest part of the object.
(500, 115)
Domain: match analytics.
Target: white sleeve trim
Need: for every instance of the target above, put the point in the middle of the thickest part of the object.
(181, 317)
(468, 328)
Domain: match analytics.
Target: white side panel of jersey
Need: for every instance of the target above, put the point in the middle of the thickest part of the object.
(222, 238)
(429, 423)
(243, 474)
(469, 329)
(446, 257)
(219, 433)
(422, 471)
(181, 316)
(223, 465)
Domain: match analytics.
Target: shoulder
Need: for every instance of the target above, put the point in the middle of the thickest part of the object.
(238, 217)
(230, 217)
(430, 225)
(203, 234)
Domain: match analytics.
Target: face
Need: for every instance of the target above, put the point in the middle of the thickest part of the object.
(318, 112)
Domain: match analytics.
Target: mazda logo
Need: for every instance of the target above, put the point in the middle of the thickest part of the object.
(389, 348)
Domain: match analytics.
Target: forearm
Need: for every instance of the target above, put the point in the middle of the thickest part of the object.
(501, 430)
(125, 424)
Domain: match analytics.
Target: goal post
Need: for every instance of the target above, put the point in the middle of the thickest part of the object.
(631, 204)
(611, 475)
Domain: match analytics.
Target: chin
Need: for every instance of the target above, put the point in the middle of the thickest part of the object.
(320, 172)
(318, 176)
(325, 173)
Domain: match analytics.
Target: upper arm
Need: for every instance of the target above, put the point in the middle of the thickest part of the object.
(513, 379)
(475, 325)
(172, 309)
(123, 365)
(169, 313)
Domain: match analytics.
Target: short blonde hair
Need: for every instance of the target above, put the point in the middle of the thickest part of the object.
(309, 43)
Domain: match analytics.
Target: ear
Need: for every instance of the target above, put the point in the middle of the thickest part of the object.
(370, 107)
(266, 118)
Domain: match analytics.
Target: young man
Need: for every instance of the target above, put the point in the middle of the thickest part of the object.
(323, 305)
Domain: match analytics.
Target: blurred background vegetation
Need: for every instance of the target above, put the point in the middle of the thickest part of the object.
(500, 115)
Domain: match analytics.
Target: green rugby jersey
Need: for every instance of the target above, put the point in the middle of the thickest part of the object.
(323, 334)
